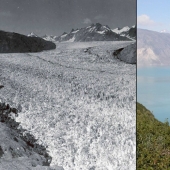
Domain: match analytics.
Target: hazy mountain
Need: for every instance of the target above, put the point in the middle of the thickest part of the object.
(153, 48)
(95, 32)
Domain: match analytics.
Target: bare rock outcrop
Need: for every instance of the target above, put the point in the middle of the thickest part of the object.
(127, 54)
(16, 149)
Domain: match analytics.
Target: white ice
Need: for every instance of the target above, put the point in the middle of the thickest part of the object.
(81, 105)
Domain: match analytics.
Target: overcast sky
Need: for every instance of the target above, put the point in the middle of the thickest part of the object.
(53, 17)
(154, 15)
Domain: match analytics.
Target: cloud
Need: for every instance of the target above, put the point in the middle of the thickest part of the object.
(98, 17)
(5, 13)
(144, 20)
(87, 21)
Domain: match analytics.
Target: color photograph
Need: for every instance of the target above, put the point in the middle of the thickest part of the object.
(153, 85)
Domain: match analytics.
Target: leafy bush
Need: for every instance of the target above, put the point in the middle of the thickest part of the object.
(153, 141)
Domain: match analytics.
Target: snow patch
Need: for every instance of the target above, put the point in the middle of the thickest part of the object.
(101, 32)
(75, 31)
(124, 29)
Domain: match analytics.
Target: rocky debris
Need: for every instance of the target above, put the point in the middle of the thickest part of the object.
(17, 43)
(1, 86)
(116, 52)
(127, 54)
(17, 149)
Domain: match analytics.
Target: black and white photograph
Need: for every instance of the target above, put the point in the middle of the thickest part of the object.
(68, 84)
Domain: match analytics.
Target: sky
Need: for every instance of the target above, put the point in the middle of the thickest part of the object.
(154, 15)
(53, 17)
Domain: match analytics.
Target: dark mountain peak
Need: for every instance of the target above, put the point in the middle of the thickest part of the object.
(72, 30)
(98, 25)
(107, 26)
(64, 33)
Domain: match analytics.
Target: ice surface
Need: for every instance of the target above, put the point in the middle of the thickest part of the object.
(77, 100)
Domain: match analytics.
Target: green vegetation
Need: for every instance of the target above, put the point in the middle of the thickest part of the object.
(153, 141)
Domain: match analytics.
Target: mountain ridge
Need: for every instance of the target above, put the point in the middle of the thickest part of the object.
(94, 32)
(153, 48)
(11, 42)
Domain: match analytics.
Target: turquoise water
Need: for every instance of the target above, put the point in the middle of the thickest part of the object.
(153, 90)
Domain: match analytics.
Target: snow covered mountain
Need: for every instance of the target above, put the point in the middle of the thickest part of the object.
(120, 30)
(32, 34)
(126, 31)
(153, 48)
(49, 37)
(45, 37)
(94, 32)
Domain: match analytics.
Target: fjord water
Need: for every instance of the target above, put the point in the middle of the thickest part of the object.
(153, 90)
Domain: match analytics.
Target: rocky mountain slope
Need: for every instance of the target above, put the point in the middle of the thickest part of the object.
(94, 32)
(153, 141)
(127, 54)
(153, 48)
(18, 148)
(17, 43)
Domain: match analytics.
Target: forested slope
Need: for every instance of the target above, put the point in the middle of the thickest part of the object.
(153, 141)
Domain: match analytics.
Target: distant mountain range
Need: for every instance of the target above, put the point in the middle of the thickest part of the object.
(94, 32)
(153, 48)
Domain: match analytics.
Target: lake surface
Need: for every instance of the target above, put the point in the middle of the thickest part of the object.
(153, 90)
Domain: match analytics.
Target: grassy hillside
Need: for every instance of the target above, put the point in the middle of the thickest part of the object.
(153, 141)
